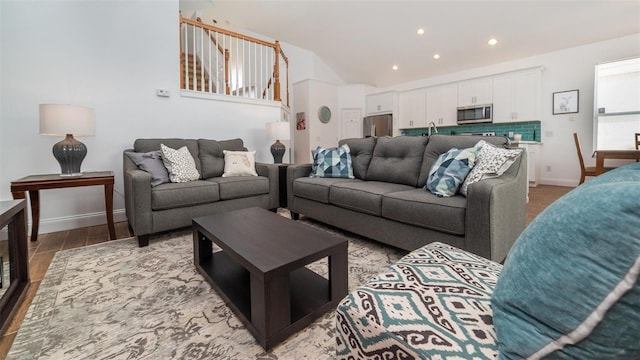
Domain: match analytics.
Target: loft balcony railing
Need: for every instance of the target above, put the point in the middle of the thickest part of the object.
(218, 61)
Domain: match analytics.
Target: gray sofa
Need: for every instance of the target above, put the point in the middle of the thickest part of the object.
(386, 200)
(168, 206)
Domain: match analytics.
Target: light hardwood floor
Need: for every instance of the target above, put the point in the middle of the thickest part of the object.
(41, 252)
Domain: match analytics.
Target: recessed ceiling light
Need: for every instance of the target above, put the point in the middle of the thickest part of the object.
(436, 56)
(395, 67)
(492, 42)
(420, 31)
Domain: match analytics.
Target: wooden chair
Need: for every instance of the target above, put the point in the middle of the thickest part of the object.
(585, 170)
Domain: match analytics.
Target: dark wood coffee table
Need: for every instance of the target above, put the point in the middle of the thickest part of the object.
(260, 272)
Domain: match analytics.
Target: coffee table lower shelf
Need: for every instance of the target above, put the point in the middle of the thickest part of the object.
(309, 291)
(261, 271)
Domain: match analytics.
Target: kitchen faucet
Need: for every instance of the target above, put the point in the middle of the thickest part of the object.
(435, 129)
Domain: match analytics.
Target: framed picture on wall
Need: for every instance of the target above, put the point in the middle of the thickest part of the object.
(301, 123)
(565, 102)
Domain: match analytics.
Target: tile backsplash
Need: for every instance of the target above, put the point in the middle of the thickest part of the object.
(527, 129)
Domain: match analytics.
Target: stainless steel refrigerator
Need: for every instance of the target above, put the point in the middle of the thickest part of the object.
(377, 125)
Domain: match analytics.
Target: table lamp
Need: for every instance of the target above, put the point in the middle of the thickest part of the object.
(278, 131)
(67, 120)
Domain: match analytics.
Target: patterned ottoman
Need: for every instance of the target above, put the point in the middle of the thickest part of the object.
(434, 303)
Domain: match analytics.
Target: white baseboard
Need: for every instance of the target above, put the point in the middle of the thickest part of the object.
(72, 222)
(559, 182)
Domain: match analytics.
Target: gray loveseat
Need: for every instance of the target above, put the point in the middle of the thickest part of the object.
(168, 206)
(386, 200)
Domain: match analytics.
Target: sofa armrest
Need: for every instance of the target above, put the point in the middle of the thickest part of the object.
(137, 197)
(271, 171)
(294, 172)
(496, 212)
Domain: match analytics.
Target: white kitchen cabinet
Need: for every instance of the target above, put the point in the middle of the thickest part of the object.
(412, 109)
(516, 96)
(381, 103)
(475, 91)
(533, 161)
(441, 105)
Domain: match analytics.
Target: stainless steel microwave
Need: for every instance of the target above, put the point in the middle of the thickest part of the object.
(475, 114)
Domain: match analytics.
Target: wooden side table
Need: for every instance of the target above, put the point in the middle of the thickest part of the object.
(13, 214)
(34, 183)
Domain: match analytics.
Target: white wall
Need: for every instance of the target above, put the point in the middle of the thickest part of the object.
(567, 69)
(301, 137)
(111, 56)
(311, 95)
(308, 66)
(325, 135)
(1, 81)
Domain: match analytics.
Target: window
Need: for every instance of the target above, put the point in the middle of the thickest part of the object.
(617, 104)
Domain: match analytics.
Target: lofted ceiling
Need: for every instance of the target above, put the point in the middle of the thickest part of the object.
(362, 40)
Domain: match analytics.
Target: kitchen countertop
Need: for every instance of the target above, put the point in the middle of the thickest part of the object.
(527, 142)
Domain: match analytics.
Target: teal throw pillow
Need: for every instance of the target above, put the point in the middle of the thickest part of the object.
(570, 286)
(332, 163)
(449, 171)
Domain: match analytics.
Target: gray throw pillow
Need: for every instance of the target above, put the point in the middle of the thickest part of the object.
(151, 162)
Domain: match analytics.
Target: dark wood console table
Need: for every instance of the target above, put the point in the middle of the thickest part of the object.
(34, 183)
(13, 215)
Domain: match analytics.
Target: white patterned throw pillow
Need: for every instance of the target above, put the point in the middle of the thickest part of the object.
(179, 164)
(491, 162)
(239, 163)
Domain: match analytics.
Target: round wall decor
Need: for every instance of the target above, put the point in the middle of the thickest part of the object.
(324, 114)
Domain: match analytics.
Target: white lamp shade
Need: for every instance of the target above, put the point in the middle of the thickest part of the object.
(66, 119)
(278, 130)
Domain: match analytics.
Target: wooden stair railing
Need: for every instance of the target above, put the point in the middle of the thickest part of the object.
(198, 77)
(212, 38)
(276, 74)
(192, 78)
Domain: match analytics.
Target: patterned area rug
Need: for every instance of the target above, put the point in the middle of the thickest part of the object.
(118, 301)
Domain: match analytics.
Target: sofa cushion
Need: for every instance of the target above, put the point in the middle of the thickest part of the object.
(362, 196)
(492, 161)
(239, 163)
(422, 208)
(572, 277)
(361, 153)
(212, 156)
(146, 145)
(332, 163)
(434, 303)
(175, 195)
(397, 159)
(179, 163)
(450, 170)
(151, 162)
(316, 189)
(241, 186)
(440, 144)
